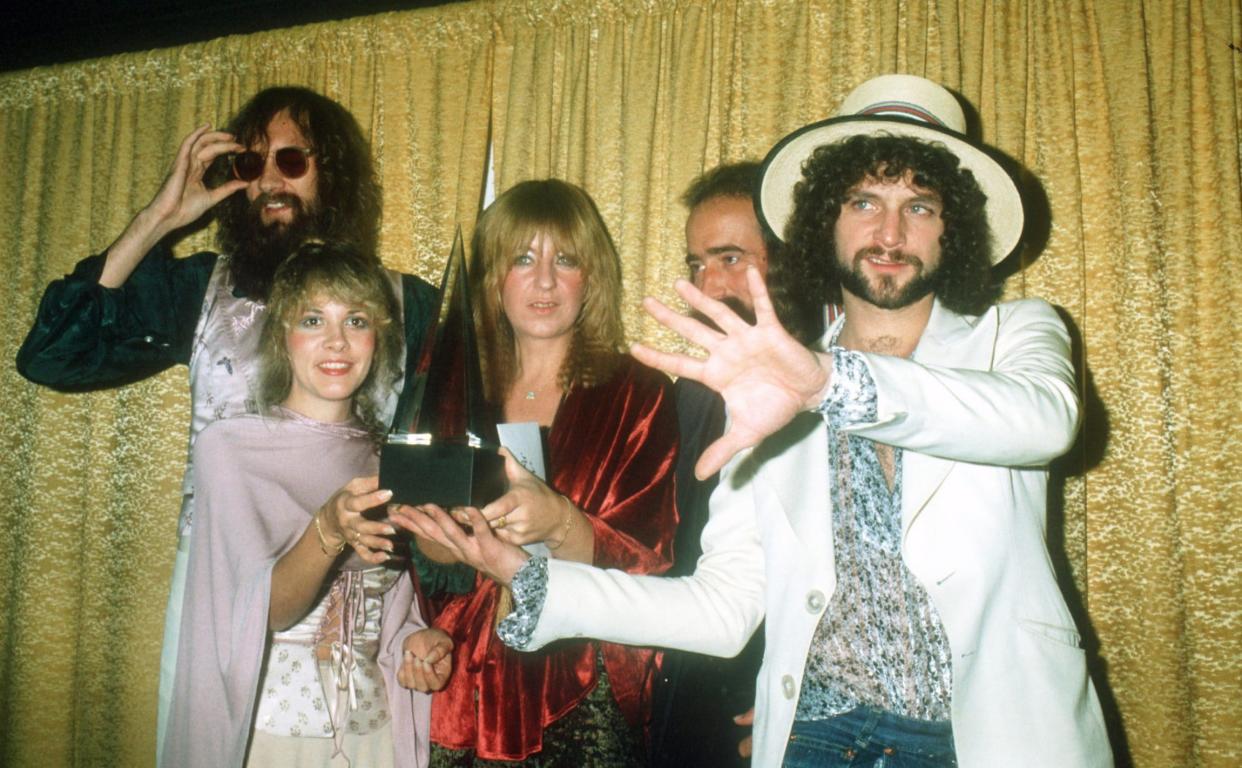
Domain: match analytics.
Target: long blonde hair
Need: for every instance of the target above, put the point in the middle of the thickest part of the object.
(567, 214)
(342, 273)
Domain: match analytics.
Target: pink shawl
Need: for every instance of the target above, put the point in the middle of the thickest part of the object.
(258, 480)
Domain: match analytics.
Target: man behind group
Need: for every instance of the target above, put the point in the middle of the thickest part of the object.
(697, 696)
(291, 165)
(889, 515)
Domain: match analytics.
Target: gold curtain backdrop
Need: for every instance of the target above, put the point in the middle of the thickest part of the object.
(1125, 113)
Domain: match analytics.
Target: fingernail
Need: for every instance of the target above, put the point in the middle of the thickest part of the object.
(409, 656)
(385, 494)
(390, 531)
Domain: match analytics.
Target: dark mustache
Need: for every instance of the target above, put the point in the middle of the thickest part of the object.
(733, 303)
(897, 256)
(293, 201)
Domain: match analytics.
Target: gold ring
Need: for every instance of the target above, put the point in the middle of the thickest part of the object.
(501, 522)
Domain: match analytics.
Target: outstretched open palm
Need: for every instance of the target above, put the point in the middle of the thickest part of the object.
(765, 376)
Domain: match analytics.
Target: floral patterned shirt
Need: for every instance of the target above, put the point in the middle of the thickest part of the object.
(301, 692)
(880, 641)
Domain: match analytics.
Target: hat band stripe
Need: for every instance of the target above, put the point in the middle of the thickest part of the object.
(902, 109)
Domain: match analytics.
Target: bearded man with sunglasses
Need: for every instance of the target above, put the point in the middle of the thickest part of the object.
(291, 165)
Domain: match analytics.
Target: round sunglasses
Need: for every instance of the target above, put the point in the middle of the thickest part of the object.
(292, 162)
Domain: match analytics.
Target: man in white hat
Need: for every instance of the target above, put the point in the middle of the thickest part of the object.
(884, 497)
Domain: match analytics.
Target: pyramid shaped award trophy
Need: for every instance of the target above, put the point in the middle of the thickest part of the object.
(442, 447)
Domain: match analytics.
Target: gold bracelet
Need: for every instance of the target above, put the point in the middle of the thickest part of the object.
(569, 516)
(323, 542)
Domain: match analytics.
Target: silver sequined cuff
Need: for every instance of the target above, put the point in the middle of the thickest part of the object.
(852, 397)
(530, 592)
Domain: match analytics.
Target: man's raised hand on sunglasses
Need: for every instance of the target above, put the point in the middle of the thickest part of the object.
(182, 199)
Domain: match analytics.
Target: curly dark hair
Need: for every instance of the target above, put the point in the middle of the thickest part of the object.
(809, 273)
(349, 195)
(741, 180)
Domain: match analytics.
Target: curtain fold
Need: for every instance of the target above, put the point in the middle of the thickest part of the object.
(1125, 113)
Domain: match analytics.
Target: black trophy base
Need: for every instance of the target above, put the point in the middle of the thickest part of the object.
(446, 473)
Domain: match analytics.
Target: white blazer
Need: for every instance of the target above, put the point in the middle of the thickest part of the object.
(980, 409)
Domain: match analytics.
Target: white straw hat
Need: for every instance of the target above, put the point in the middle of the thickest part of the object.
(897, 105)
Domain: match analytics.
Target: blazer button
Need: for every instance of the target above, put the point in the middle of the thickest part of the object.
(815, 601)
(787, 686)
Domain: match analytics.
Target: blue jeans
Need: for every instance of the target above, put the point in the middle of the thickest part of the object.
(870, 737)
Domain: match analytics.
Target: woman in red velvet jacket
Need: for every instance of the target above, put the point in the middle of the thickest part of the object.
(547, 285)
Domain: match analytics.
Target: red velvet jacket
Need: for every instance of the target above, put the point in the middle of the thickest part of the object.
(612, 449)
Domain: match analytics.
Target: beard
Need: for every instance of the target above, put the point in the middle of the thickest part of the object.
(885, 292)
(260, 248)
(732, 302)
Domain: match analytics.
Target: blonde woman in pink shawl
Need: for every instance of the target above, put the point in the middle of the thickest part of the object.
(301, 641)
